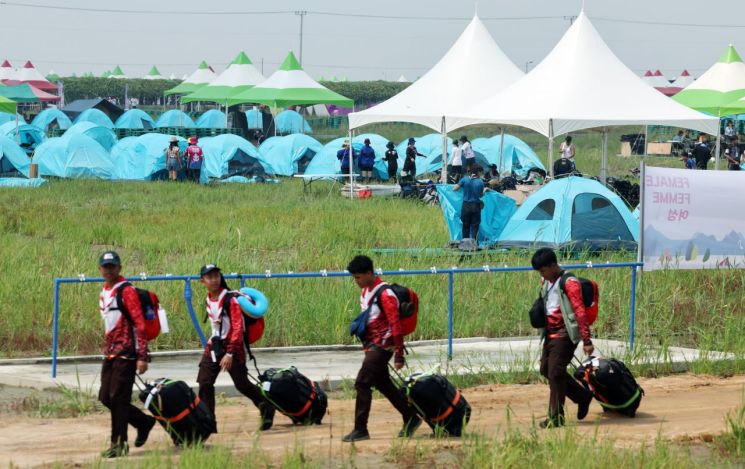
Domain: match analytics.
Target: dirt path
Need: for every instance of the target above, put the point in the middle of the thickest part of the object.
(677, 408)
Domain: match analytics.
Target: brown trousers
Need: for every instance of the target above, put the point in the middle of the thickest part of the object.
(374, 373)
(556, 356)
(208, 371)
(117, 378)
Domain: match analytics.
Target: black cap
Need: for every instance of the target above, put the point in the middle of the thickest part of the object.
(109, 258)
(411, 140)
(207, 269)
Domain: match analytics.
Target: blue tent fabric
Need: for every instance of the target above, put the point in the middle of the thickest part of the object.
(13, 160)
(572, 211)
(28, 136)
(251, 180)
(291, 122)
(5, 117)
(74, 156)
(254, 119)
(325, 162)
(46, 117)
(142, 158)
(212, 119)
(174, 118)
(496, 213)
(21, 182)
(135, 119)
(103, 135)
(230, 155)
(96, 117)
(431, 147)
(290, 154)
(518, 157)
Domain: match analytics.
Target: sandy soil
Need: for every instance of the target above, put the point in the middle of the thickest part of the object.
(679, 408)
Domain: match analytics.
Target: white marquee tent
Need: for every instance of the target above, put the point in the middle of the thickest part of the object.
(581, 84)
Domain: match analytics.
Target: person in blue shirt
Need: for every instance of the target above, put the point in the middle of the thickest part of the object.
(367, 161)
(473, 190)
(343, 156)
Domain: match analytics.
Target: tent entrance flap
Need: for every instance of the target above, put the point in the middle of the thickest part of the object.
(241, 164)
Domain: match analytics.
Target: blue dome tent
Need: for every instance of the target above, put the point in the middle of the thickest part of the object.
(572, 212)
(27, 136)
(142, 158)
(94, 116)
(13, 160)
(103, 135)
(325, 162)
(496, 213)
(5, 117)
(254, 120)
(291, 122)
(518, 157)
(212, 119)
(73, 156)
(52, 116)
(230, 155)
(431, 147)
(135, 119)
(174, 118)
(290, 154)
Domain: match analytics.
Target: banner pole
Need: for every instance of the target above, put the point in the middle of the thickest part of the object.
(640, 246)
(632, 317)
(450, 314)
(55, 328)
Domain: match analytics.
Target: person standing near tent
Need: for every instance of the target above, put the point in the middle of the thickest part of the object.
(225, 351)
(456, 161)
(467, 150)
(567, 150)
(343, 156)
(566, 321)
(733, 158)
(391, 157)
(701, 152)
(125, 354)
(730, 132)
(195, 157)
(173, 159)
(367, 161)
(409, 170)
(470, 213)
(382, 341)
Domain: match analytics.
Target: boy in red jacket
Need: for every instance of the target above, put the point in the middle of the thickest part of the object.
(125, 353)
(383, 340)
(225, 350)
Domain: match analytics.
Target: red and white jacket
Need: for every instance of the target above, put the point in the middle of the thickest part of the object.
(230, 328)
(383, 325)
(123, 339)
(554, 318)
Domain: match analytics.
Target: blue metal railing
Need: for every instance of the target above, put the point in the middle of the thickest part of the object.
(450, 272)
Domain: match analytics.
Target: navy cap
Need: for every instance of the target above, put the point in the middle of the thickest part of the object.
(207, 269)
(109, 258)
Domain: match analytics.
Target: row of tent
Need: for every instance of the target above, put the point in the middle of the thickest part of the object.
(667, 87)
(87, 150)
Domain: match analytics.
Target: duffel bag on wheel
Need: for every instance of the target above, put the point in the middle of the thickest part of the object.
(438, 402)
(186, 419)
(294, 395)
(612, 384)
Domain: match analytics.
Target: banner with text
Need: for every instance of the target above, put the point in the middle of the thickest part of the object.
(693, 219)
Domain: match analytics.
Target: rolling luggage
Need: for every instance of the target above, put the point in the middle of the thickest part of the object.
(611, 384)
(438, 402)
(186, 419)
(294, 395)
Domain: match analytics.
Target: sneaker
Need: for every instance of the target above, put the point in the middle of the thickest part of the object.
(554, 422)
(583, 408)
(143, 433)
(267, 416)
(356, 435)
(116, 451)
(410, 427)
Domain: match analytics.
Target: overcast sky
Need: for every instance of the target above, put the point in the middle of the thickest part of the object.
(357, 47)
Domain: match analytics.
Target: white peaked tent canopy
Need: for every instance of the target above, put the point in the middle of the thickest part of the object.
(7, 72)
(239, 76)
(402, 79)
(473, 69)
(202, 76)
(581, 84)
(655, 81)
(683, 80)
(154, 74)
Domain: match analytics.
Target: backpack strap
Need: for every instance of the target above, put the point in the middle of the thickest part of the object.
(563, 280)
(246, 324)
(120, 302)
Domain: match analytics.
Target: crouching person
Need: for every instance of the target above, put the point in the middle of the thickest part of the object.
(225, 350)
(125, 354)
(382, 340)
(566, 325)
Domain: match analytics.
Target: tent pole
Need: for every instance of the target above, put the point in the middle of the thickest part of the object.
(551, 147)
(604, 159)
(274, 118)
(719, 140)
(444, 172)
(501, 150)
(351, 165)
(646, 140)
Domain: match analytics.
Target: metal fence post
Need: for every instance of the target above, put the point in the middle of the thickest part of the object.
(450, 314)
(243, 280)
(190, 308)
(55, 328)
(632, 321)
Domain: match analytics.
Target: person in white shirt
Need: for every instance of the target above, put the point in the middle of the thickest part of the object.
(567, 149)
(456, 161)
(465, 147)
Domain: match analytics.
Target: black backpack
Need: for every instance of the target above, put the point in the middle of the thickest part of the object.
(294, 395)
(438, 402)
(563, 167)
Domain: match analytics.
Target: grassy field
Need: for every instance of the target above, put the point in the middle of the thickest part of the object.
(160, 228)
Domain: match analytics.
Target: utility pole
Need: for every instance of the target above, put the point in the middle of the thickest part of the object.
(301, 14)
(571, 19)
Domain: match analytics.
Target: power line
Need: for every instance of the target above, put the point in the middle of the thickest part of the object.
(667, 23)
